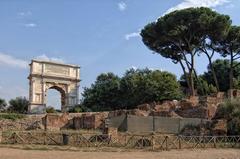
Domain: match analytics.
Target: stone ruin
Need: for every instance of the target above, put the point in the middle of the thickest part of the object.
(192, 107)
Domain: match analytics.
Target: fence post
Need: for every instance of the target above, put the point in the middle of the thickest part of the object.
(125, 144)
(179, 142)
(1, 137)
(166, 142)
(153, 142)
(45, 138)
(214, 142)
(153, 123)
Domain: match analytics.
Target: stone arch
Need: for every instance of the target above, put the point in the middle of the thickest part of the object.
(45, 75)
(62, 92)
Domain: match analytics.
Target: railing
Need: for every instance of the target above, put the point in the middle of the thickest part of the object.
(151, 142)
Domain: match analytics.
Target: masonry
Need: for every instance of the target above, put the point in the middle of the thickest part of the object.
(46, 75)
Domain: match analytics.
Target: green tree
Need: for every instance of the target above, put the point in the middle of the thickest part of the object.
(230, 46)
(143, 86)
(179, 36)
(222, 69)
(136, 87)
(203, 87)
(18, 105)
(216, 30)
(3, 104)
(103, 94)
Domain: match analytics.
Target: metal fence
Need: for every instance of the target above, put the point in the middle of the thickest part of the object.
(147, 141)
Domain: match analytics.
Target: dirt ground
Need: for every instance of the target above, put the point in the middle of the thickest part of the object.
(13, 153)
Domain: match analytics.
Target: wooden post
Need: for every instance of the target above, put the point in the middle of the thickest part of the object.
(45, 138)
(166, 142)
(179, 142)
(0, 137)
(153, 142)
(125, 144)
(214, 142)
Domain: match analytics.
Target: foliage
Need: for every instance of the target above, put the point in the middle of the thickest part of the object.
(3, 104)
(79, 108)
(18, 105)
(103, 94)
(109, 92)
(203, 87)
(50, 110)
(179, 36)
(222, 68)
(142, 86)
(229, 46)
(11, 116)
(230, 110)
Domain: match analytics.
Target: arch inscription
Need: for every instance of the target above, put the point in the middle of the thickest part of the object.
(46, 75)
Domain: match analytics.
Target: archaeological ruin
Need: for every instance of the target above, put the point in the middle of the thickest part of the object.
(45, 75)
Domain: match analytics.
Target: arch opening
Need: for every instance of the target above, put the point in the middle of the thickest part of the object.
(55, 97)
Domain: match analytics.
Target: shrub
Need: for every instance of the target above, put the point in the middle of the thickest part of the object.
(12, 116)
(230, 110)
(50, 110)
(78, 108)
(18, 105)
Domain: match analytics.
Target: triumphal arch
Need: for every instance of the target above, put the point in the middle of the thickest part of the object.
(46, 75)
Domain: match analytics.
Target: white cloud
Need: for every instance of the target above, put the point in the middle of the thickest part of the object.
(197, 3)
(30, 25)
(132, 35)
(24, 14)
(8, 60)
(122, 6)
(46, 58)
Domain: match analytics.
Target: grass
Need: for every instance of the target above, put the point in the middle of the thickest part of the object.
(11, 116)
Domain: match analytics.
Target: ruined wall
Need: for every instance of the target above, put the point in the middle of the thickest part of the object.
(20, 124)
(165, 125)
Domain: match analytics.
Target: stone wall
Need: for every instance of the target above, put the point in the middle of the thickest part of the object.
(20, 124)
(90, 121)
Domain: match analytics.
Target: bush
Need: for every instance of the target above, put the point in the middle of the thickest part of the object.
(3, 104)
(50, 110)
(12, 116)
(18, 105)
(230, 110)
(78, 109)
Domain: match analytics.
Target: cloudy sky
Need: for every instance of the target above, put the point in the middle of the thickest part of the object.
(100, 36)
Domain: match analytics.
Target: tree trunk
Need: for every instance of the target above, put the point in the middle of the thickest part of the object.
(191, 75)
(199, 82)
(192, 91)
(214, 75)
(231, 75)
(185, 74)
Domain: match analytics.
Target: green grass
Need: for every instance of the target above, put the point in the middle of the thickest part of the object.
(11, 116)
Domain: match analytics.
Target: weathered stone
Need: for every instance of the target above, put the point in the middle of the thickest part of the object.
(145, 107)
(164, 114)
(90, 121)
(219, 127)
(233, 93)
(46, 75)
(138, 112)
(36, 126)
(55, 121)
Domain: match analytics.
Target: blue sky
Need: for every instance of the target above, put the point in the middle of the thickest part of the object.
(100, 36)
